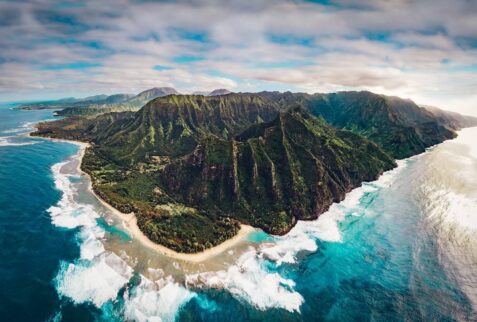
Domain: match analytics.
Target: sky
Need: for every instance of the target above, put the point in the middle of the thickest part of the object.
(424, 50)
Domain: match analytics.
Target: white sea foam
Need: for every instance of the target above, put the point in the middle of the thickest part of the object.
(461, 210)
(15, 130)
(7, 141)
(98, 275)
(96, 281)
(91, 245)
(388, 177)
(304, 235)
(467, 137)
(17, 139)
(249, 280)
(155, 301)
(67, 212)
(326, 228)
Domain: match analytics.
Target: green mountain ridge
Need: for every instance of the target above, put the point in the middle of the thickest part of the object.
(61, 103)
(193, 167)
(173, 125)
(100, 104)
(118, 103)
(398, 126)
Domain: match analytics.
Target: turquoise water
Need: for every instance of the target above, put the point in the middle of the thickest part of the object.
(403, 248)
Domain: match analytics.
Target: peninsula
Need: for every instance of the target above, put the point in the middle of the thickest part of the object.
(192, 168)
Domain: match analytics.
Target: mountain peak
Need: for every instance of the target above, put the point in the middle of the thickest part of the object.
(158, 91)
(219, 91)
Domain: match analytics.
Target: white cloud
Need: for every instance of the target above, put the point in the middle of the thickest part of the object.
(418, 49)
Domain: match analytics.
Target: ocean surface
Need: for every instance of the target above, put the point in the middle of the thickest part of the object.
(403, 248)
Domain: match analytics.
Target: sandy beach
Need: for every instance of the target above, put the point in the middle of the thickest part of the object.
(129, 222)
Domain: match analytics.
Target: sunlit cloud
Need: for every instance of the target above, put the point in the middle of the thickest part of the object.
(424, 50)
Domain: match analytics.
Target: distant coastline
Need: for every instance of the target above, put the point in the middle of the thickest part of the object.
(129, 221)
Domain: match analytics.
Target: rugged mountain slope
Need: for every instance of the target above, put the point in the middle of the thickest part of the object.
(192, 167)
(274, 173)
(399, 126)
(147, 95)
(173, 125)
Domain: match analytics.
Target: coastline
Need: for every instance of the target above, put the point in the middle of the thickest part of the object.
(129, 221)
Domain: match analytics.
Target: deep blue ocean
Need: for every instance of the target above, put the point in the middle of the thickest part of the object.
(403, 248)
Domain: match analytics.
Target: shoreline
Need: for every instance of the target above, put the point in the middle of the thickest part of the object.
(129, 221)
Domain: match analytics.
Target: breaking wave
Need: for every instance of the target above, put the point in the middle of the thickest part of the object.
(250, 280)
(67, 212)
(24, 128)
(95, 281)
(155, 301)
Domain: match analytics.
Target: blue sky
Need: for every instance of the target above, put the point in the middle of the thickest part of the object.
(424, 50)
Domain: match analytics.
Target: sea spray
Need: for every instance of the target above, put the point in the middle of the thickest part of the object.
(158, 300)
(96, 281)
(249, 280)
(67, 212)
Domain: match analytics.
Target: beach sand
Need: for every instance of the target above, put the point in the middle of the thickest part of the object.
(129, 222)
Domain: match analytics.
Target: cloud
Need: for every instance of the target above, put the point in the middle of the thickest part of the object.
(417, 49)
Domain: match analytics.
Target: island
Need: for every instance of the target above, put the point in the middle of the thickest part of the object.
(193, 168)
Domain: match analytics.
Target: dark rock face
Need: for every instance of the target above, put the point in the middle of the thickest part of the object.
(192, 167)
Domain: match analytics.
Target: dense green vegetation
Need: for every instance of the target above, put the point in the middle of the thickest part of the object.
(193, 167)
(398, 126)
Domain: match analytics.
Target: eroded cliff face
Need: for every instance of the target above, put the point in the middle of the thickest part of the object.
(289, 169)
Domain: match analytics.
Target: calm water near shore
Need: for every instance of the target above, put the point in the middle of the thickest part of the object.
(398, 249)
